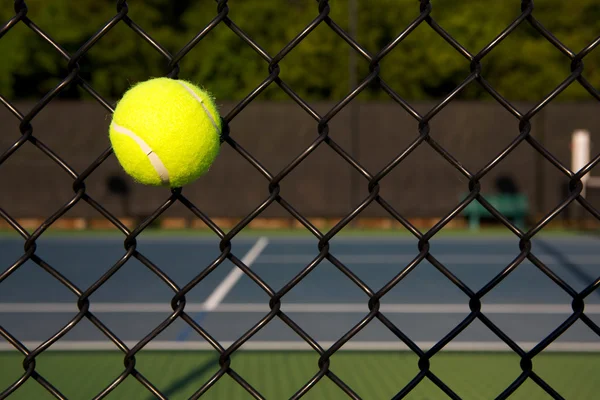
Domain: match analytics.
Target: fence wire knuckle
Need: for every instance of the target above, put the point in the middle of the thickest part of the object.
(273, 193)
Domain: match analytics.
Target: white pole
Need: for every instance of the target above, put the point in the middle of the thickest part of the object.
(353, 106)
(580, 154)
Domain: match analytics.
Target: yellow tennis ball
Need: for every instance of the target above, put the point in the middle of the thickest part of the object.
(165, 132)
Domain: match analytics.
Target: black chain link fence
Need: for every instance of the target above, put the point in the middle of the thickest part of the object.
(272, 195)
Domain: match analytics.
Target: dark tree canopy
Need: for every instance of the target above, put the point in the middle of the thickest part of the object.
(423, 66)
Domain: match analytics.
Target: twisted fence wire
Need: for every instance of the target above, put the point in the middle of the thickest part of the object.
(273, 194)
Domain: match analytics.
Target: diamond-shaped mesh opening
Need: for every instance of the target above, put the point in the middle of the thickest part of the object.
(376, 176)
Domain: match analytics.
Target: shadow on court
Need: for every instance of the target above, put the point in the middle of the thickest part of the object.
(559, 256)
(194, 375)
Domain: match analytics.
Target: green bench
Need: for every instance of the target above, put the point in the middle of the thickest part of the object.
(515, 207)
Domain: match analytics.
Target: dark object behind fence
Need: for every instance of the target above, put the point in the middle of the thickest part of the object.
(77, 130)
(287, 185)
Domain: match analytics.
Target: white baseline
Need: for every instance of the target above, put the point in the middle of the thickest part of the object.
(499, 346)
(213, 304)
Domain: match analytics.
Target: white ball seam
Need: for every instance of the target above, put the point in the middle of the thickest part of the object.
(154, 159)
(199, 99)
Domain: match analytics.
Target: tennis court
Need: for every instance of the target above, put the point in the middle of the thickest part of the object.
(425, 305)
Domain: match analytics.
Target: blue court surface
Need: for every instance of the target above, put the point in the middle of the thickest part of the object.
(527, 305)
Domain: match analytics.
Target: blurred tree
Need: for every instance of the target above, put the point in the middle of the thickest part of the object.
(525, 66)
(423, 66)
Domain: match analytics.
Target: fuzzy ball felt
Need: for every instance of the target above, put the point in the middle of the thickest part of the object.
(165, 132)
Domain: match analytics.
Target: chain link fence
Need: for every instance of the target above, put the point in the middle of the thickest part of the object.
(272, 194)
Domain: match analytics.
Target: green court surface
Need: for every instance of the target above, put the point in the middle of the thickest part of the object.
(278, 374)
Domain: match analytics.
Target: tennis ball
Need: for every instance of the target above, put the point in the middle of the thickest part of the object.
(165, 132)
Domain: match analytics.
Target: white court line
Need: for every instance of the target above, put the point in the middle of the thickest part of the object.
(65, 345)
(499, 308)
(475, 259)
(235, 274)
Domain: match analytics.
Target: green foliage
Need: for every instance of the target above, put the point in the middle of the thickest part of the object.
(525, 66)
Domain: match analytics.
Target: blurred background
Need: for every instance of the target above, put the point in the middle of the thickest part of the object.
(538, 300)
(322, 69)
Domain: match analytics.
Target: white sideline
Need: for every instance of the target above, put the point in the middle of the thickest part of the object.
(213, 304)
(217, 296)
(63, 345)
(465, 259)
